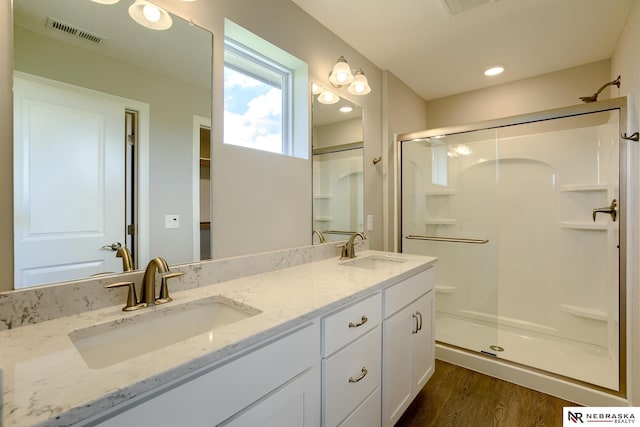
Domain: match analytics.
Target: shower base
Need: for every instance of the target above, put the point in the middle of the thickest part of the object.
(578, 361)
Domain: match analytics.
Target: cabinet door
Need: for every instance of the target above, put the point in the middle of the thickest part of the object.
(423, 343)
(294, 404)
(397, 379)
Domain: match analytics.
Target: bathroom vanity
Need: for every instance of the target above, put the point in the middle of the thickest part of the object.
(329, 342)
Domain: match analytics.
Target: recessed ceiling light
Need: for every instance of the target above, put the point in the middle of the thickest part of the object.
(346, 109)
(494, 71)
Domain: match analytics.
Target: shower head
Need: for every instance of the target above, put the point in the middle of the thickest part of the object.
(594, 97)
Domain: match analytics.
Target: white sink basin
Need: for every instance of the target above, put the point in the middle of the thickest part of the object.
(373, 262)
(153, 328)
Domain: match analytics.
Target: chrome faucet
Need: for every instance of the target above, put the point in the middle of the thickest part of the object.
(349, 250)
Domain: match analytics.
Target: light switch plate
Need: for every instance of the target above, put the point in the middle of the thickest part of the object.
(369, 222)
(172, 221)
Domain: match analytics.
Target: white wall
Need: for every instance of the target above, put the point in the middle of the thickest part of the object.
(626, 62)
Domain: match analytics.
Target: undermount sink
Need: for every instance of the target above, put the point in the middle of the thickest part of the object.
(373, 262)
(153, 328)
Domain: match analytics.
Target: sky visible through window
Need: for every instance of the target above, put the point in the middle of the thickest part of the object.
(252, 112)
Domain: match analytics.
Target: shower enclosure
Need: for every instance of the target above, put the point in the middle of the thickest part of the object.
(526, 216)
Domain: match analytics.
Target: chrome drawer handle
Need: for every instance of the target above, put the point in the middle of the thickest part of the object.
(361, 376)
(362, 321)
(415, 317)
(419, 320)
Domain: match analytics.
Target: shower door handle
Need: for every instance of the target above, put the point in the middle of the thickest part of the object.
(611, 210)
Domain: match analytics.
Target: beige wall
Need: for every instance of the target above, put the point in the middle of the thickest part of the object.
(553, 90)
(338, 133)
(404, 111)
(626, 62)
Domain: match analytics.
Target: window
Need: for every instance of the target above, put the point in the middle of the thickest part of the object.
(265, 88)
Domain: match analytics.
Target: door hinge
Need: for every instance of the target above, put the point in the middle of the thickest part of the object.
(131, 229)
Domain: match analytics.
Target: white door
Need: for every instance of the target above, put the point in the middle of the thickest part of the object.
(68, 182)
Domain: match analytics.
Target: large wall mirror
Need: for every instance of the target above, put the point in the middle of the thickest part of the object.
(111, 139)
(338, 184)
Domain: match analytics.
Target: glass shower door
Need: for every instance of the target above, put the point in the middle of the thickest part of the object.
(449, 210)
(524, 220)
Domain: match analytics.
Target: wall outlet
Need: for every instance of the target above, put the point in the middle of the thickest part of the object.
(172, 221)
(369, 222)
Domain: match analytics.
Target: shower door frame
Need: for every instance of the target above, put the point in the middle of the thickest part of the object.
(540, 116)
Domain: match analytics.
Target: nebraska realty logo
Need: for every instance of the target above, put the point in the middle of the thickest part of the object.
(604, 416)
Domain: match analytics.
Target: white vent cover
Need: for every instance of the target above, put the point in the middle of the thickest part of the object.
(57, 25)
(456, 7)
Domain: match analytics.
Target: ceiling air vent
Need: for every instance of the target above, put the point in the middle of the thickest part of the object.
(457, 7)
(57, 25)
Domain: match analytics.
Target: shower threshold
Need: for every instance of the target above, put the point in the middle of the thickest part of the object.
(580, 361)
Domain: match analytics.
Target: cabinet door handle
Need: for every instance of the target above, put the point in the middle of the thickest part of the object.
(419, 320)
(359, 377)
(362, 321)
(415, 317)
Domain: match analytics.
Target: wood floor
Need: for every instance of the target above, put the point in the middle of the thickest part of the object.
(458, 397)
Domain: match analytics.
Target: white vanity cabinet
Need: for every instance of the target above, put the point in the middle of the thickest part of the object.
(277, 384)
(351, 365)
(408, 343)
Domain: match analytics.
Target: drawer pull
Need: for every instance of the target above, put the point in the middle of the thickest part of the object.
(359, 377)
(419, 320)
(362, 321)
(415, 329)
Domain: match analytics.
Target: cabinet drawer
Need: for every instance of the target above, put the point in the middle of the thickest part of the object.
(346, 325)
(345, 384)
(398, 296)
(367, 414)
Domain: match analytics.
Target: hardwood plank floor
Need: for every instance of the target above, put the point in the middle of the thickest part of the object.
(459, 397)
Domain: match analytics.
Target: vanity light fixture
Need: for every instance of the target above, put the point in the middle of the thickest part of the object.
(328, 97)
(342, 75)
(359, 85)
(106, 1)
(346, 109)
(150, 15)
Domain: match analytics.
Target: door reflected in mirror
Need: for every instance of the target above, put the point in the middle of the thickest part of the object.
(108, 117)
(338, 181)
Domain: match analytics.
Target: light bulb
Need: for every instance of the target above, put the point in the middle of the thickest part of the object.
(151, 12)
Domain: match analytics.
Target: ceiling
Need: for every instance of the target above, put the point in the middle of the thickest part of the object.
(439, 54)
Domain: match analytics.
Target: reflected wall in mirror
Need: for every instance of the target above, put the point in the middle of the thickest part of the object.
(338, 184)
(108, 118)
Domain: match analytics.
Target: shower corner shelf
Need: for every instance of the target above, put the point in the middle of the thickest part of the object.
(441, 221)
(444, 289)
(323, 218)
(585, 312)
(583, 187)
(434, 193)
(575, 225)
(323, 196)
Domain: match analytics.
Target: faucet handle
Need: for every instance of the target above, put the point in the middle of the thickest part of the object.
(164, 288)
(132, 299)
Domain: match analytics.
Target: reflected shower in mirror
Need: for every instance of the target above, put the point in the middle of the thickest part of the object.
(338, 184)
(111, 139)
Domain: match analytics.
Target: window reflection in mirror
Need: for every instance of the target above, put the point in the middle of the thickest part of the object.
(338, 182)
(81, 71)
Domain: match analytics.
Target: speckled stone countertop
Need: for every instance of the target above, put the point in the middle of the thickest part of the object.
(47, 382)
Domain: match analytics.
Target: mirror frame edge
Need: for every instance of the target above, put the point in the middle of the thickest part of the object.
(6, 147)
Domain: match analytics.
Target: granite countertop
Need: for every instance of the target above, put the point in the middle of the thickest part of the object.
(46, 381)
